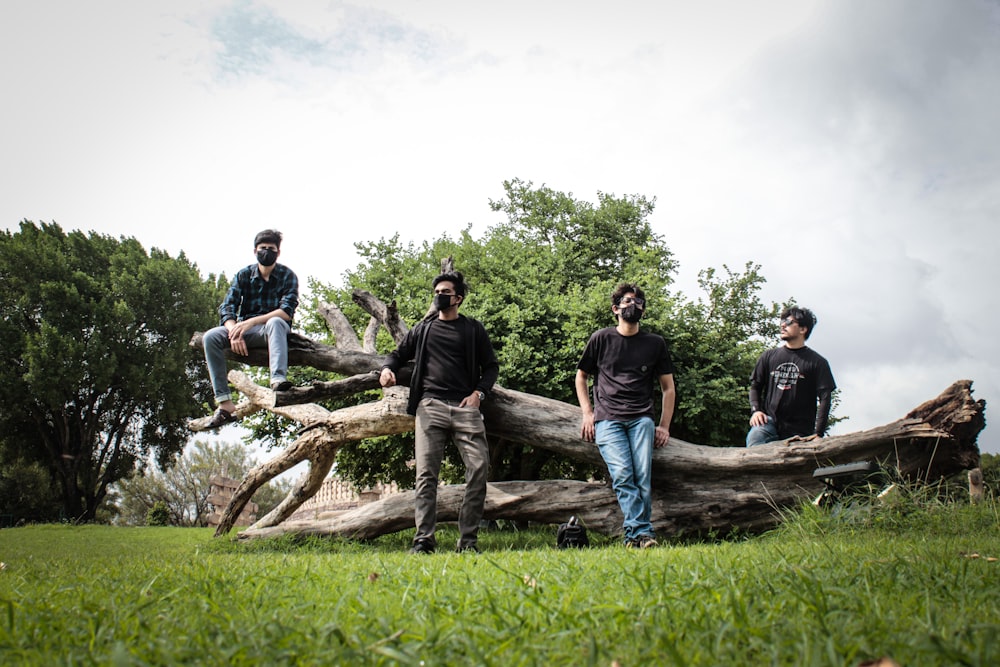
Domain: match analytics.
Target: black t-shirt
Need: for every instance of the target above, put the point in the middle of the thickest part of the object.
(445, 375)
(788, 383)
(625, 369)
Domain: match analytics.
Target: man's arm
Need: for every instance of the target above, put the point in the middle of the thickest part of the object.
(662, 435)
(488, 364)
(398, 357)
(583, 397)
(229, 309)
(289, 300)
(823, 411)
(757, 416)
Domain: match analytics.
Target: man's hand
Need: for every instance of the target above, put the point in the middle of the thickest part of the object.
(587, 427)
(236, 342)
(387, 378)
(660, 437)
(470, 401)
(758, 419)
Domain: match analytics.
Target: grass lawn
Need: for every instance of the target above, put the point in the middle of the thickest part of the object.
(917, 585)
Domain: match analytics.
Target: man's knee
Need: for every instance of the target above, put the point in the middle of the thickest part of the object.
(760, 435)
(277, 325)
(217, 337)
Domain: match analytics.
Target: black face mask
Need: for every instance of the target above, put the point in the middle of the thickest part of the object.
(266, 256)
(631, 314)
(442, 301)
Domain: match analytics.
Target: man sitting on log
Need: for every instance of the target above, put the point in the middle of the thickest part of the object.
(454, 371)
(787, 383)
(257, 312)
(625, 362)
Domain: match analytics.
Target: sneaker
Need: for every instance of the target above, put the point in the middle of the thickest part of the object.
(281, 385)
(422, 545)
(468, 549)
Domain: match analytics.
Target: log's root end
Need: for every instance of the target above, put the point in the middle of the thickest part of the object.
(954, 412)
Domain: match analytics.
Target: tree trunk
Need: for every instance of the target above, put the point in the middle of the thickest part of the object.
(696, 488)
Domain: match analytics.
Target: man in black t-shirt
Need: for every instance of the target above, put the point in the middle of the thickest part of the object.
(454, 370)
(625, 364)
(787, 384)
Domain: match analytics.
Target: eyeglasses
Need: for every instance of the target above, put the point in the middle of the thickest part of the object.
(627, 301)
(788, 321)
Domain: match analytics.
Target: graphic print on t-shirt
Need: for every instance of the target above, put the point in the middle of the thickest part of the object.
(786, 376)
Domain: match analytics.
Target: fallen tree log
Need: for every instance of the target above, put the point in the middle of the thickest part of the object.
(697, 488)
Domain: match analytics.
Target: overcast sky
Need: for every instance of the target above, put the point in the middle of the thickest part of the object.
(850, 147)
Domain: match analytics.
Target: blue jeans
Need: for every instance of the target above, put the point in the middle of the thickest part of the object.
(759, 435)
(627, 448)
(273, 335)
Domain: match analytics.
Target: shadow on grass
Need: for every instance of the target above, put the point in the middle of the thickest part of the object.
(491, 539)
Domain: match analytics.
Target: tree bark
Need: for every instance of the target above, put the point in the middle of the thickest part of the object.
(697, 488)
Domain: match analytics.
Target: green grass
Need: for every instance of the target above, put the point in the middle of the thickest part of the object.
(821, 590)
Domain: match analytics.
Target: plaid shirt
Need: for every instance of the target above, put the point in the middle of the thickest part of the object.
(250, 295)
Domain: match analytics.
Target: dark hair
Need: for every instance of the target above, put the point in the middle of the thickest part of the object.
(268, 236)
(625, 288)
(803, 316)
(455, 278)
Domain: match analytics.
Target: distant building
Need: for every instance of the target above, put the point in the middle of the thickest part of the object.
(220, 492)
(336, 495)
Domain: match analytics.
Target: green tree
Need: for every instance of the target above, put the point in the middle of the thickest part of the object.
(96, 368)
(540, 281)
(183, 487)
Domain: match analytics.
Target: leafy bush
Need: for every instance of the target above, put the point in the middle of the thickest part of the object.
(158, 514)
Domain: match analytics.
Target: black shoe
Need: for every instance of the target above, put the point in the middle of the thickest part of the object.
(221, 418)
(283, 385)
(468, 549)
(422, 545)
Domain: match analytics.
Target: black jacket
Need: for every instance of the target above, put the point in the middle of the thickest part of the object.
(481, 361)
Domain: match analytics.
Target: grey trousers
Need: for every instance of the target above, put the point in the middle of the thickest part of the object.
(436, 422)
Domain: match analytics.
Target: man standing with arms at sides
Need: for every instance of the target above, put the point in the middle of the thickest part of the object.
(257, 312)
(787, 383)
(454, 370)
(625, 363)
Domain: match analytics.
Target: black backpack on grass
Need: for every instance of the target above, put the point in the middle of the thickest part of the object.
(571, 535)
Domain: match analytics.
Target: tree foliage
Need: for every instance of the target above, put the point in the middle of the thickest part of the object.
(96, 369)
(182, 489)
(540, 280)
(27, 493)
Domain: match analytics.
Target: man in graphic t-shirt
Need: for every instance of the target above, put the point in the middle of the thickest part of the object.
(791, 386)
